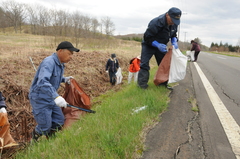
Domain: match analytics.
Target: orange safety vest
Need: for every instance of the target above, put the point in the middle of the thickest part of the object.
(135, 65)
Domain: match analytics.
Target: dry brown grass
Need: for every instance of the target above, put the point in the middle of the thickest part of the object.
(88, 68)
(235, 54)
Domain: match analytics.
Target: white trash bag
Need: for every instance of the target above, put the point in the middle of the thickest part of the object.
(190, 55)
(178, 66)
(119, 76)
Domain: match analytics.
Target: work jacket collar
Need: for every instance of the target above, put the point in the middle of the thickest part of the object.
(56, 59)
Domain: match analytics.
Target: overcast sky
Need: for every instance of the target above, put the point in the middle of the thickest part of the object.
(210, 20)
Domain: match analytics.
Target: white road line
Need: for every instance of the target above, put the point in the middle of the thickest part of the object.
(230, 126)
(221, 57)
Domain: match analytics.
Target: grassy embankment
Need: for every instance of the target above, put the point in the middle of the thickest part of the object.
(116, 130)
(234, 54)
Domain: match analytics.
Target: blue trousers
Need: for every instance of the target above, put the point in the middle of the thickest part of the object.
(47, 115)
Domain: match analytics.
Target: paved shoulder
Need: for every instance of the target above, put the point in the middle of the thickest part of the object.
(178, 134)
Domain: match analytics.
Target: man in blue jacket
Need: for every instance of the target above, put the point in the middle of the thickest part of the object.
(160, 30)
(45, 101)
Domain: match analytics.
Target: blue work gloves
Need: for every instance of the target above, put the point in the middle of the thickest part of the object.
(161, 47)
(174, 42)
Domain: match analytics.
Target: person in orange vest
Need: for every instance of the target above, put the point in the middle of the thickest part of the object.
(134, 68)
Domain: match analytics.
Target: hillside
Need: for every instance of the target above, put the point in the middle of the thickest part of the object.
(87, 67)
(138, 37)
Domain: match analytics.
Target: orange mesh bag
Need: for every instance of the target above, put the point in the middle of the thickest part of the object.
(74, 95)
(6, 138)
(162, 74)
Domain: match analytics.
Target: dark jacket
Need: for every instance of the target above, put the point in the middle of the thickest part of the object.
(2, 102)
(159, 30)
(195, 47)
(112, 65)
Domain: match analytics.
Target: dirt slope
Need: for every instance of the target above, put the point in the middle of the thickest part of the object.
(17, 72)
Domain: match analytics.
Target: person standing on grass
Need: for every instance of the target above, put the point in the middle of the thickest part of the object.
(196, 48)
(134, 67)
(111, 68)
(45, 101)
(160, 30)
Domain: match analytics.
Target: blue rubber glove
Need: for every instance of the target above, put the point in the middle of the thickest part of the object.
(161, 47)
(174, 42)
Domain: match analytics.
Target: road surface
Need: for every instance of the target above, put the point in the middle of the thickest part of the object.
(212, 84)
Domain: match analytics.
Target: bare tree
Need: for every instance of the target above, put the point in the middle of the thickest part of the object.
(60, 22)
(86, 22)
(77, 21)
(95, 25)
(3, 20)
(108, 26)
(198, 40)
(15, 13)
(32, 18)
(44, 19)
(52, 22)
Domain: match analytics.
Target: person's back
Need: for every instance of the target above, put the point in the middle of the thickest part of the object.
(134, 68)
(196, 48)
(135, 65)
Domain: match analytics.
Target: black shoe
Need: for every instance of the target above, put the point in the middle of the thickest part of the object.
(143, 87)
(35, 136)
(169, 87)
(166, 85)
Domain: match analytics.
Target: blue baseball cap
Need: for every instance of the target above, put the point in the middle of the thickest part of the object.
(175, 15)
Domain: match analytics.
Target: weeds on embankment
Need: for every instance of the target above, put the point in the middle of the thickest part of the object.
(117, 130)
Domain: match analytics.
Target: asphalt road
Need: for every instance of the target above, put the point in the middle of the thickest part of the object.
(213, 131)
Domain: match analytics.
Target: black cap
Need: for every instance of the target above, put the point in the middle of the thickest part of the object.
(67, 45)
(113, 55)
(175, 15)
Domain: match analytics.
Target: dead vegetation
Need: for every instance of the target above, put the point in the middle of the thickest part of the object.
(17, 72)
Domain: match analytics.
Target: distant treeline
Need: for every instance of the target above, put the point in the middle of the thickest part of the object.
(182, 45)
(40, 20)
(224, 47)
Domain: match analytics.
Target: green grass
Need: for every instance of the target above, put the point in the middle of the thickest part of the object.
(114, 132)
(195, 109)
(233, 54)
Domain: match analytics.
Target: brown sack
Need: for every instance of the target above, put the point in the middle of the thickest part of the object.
(162, 74)
(74, 95)
(6, 138)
